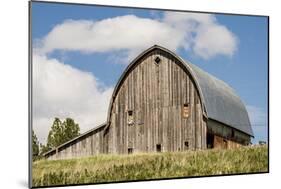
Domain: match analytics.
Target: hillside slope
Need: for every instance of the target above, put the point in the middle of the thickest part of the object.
(110, 168)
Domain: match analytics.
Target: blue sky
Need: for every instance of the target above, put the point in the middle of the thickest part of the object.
(235, 52)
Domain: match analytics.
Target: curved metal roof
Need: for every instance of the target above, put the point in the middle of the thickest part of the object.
(220, 100)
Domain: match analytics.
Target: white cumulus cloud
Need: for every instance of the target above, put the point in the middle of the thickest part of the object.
(203, 34)
(200, 34)
(59, 90)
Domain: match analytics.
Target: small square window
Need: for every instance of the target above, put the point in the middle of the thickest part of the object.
(130, 150)
(157, 60)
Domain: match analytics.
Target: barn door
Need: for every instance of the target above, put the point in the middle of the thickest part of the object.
(210, 140)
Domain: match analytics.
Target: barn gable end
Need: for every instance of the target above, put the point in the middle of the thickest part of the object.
(166, 106)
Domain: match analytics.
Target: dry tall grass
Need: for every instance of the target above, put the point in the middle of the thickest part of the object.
(110, 168)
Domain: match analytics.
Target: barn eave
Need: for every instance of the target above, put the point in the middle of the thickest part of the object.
(76, 138)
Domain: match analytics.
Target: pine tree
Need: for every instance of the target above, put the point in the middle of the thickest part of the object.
(55, 137)
(71, 129)
(35, 146)
(62, 132)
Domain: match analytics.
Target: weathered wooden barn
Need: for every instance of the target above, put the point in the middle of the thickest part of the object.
(163, 103)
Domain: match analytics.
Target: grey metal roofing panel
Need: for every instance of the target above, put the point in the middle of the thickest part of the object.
(221, 102)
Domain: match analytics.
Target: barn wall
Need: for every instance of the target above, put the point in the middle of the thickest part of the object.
(223, 143)
(156, 93)
(87, 145)
(225, 136)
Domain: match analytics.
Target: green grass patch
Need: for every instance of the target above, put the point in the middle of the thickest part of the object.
(110, 168)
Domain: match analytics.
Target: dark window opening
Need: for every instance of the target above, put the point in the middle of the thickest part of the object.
(232, 133)
(185, 110)
(210, 140)
(158, 147)
(157, 60)
(186, 145)
(130, 150)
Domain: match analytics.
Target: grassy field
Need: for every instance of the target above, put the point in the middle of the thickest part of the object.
(108, 168)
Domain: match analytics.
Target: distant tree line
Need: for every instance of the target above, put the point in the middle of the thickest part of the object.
(60, 133)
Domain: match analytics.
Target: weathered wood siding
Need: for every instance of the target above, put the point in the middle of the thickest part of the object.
(223, 143)
(156, 94)
(87, 145)
(225, 136)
